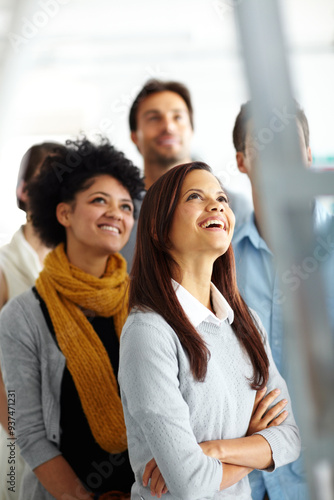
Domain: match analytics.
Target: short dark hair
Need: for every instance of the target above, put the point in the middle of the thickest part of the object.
(63, 175)
(30, 163)
(152, 87)
(246, 113)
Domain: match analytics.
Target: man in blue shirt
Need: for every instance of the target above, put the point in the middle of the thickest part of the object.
(259, 284)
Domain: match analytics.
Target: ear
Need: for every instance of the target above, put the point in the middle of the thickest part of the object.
(21, 192)
(134, 138)
(309, 156)
(240, 157)
(63, 212)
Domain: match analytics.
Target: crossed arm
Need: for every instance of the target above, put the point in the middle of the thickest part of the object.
(238, 456)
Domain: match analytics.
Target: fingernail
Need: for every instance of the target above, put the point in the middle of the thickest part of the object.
(277, 391)
(285, 401)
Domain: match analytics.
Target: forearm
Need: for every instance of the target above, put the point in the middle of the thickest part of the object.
(59, 479)
(232, 474)
(253, 451)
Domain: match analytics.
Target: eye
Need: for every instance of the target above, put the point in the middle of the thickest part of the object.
(98, 200)
(223, 199)
(194, 196)
(127, 207)
(153, 118)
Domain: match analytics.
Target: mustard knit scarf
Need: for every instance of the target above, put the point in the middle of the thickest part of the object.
(67, 290)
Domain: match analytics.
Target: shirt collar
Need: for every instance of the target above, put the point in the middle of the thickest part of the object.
(197, 312)
(249, 230)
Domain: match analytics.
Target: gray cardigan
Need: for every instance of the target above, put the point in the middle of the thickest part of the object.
(33, 366)
(167, 413)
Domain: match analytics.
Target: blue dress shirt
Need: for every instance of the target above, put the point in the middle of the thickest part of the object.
(258, 283)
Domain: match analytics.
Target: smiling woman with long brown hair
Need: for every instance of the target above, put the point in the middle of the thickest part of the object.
(60, 339)
(195, 361)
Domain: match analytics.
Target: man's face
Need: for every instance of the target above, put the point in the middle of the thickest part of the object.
(164, 130)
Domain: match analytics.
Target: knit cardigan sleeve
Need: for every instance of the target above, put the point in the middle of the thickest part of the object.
(21, 358)
(284, 440)
(156, 412)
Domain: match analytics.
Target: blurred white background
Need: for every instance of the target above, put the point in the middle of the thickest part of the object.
(71, 66)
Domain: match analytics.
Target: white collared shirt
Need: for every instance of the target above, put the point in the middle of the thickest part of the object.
(197, 312)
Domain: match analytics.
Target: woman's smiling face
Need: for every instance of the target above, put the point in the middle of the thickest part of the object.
(203, 220)
(100, 219)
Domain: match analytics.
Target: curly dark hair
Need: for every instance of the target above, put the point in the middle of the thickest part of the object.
(65, 174)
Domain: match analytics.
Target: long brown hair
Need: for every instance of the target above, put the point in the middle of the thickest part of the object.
(151, 286)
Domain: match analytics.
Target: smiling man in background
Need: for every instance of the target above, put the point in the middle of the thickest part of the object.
(162, 124)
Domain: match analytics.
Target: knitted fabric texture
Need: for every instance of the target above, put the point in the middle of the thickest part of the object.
(67, 292)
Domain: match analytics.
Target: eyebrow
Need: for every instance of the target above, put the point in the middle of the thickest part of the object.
(108, 195)
(158, 111)
(201, 191)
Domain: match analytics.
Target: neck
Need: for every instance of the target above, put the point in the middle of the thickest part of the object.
(35, 242)
(195, 276)
(258, 216)
(155, 169)
(90, 264)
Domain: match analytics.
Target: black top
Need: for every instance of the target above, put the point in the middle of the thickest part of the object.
(97, 469)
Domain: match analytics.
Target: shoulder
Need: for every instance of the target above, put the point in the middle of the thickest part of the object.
(21, 310)
(148, 317)
(259, 325)
(245, 230)
(148, 330)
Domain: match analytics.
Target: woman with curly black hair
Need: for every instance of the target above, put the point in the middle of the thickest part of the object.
(60, 339)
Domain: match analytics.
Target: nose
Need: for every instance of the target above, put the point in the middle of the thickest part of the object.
(215, 206)
(169, 124)
(114, 212)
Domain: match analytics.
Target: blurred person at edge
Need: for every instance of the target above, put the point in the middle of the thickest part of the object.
(259, 285)
(20, 263)
(161, 122)
(60, 339)
(195, 364)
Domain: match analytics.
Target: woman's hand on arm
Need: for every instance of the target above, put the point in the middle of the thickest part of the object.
(60, 480)
(231, 475)
(262, 418)
(158, 486)
(253, 450)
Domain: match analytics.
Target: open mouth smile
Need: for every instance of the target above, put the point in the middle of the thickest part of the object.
(112, 229)
(213, 224)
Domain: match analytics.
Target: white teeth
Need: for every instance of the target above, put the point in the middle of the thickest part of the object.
(211, 222)
(111, 229)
